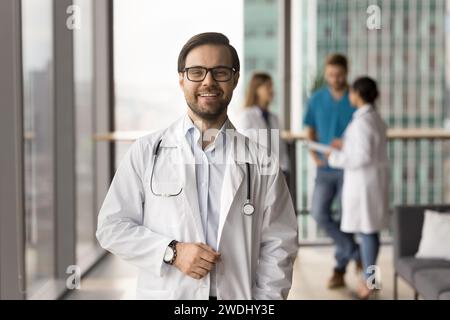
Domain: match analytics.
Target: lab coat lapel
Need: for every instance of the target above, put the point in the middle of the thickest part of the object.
(233, 178)
(187, 168)
(191, 195)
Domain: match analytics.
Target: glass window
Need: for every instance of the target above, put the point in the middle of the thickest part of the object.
(39, 166)
(84, 124)
(407, 99)
(148, 36)
(262, 46)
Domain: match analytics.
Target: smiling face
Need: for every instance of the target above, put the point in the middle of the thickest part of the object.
(209, 98)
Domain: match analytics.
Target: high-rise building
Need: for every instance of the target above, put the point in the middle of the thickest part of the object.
(406, 55)
(261, 42)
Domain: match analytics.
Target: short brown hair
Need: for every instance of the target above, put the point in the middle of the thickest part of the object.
(337, 59)
(207, 38)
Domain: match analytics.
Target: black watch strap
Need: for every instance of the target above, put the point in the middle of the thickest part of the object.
(173, 246)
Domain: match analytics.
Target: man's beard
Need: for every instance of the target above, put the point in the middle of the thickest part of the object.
(340, 86)
(209, 115)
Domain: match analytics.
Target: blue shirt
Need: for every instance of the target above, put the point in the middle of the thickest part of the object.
(327, 116)
(209, 171)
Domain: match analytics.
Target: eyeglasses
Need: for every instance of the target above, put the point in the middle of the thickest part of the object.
(219, 74)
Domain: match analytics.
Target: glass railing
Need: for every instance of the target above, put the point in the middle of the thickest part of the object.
(419, 174)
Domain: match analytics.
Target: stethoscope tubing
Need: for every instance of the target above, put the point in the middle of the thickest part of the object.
(247, 202)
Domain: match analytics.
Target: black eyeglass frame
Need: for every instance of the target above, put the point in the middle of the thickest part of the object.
(233, 71)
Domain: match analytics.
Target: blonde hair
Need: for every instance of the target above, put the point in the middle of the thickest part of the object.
(257, 80)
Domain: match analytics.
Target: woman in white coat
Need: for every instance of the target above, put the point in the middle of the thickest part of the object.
(363, 156)
(256, 116)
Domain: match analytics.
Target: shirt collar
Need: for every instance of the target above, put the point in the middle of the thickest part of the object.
(346, 93)
(360, 111)
(191, 131)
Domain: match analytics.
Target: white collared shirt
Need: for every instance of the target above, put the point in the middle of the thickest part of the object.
(210, 167)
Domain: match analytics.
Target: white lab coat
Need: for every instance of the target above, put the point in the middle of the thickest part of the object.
(365, 162)
(248, 123)
(257, 252)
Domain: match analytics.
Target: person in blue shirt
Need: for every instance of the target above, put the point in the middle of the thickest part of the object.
(328, 113)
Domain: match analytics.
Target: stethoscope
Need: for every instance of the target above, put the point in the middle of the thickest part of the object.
(248, 208)
(166, 195)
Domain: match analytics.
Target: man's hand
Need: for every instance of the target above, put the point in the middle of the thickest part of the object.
(319, 162)
(337, 144)
(195, 259)
(311, 136)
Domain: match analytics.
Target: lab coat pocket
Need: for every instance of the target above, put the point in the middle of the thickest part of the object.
(164, 206)
(165, 179)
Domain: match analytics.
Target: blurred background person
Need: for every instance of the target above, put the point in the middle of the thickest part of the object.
(327, 115)
(256, 116)
(363, 155)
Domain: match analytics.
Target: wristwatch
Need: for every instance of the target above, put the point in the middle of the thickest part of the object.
(171, 252)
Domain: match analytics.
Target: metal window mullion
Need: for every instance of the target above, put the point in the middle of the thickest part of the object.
(284, 23)
(65, 178)
(104, 96)
(12, 251)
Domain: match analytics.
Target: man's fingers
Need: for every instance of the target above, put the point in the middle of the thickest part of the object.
(208, 248)
(198, 272)
(201, 271)
(195, 275)
(209, 257)
(208, 253)
(205, 264)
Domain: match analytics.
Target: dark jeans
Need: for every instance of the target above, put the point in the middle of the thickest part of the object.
(328, 186)
(370, 245)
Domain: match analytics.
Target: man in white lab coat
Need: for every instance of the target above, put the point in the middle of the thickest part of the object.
(200, 210)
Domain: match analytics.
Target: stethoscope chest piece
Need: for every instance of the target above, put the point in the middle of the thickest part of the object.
(248, 209)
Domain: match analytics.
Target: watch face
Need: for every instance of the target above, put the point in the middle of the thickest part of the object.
(168, 255)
